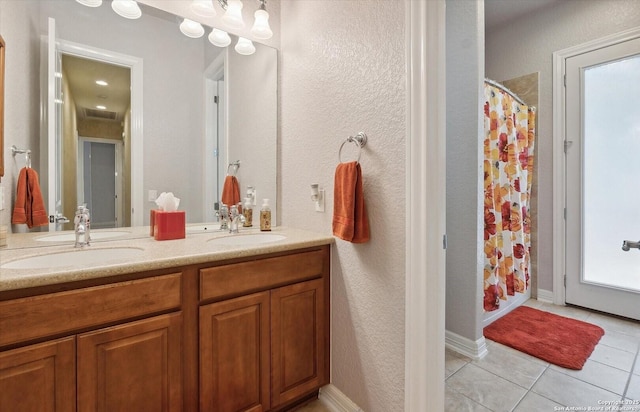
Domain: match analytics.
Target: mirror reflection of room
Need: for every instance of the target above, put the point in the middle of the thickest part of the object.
(96, 140)
(193, 107)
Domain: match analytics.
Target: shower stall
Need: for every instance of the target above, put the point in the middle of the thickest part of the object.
(509, 141)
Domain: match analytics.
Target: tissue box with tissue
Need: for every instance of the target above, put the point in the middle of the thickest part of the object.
(169, 223)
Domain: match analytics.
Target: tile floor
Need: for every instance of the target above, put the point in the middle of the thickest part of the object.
(508, 380)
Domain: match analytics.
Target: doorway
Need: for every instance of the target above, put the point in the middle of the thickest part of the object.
(602, 153)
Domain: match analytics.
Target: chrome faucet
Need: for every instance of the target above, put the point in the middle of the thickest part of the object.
(223, 217)
(59, 219)
(82, 223)
(236, 219)
(628, 244)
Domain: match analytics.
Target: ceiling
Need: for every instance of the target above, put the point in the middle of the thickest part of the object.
(498, 12)
(81, 75)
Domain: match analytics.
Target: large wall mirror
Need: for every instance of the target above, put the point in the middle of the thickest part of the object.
(139, 107)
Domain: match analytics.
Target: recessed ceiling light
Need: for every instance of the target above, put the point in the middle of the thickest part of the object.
(102, 83)
(101, 107)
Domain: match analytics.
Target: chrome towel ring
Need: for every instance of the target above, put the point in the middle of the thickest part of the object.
(360, 140)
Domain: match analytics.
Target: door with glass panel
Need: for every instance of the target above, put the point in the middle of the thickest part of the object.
(603, 179)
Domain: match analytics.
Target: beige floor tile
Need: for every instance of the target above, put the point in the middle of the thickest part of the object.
(611, 323)
(533, 303)
(566, 311)
(633, 391)
(532, 402)
(522, 355)
(485, 388)
(620, 341)
(453, 361)
(511, 366)
(636, 369)
(615, 357)
(457, 402)
(598, 374)
(569, 391)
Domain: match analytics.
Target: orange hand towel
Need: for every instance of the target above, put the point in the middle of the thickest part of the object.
(29, 206)
(349, 212)
(231, 191)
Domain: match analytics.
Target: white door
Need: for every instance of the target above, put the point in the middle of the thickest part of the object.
(603, 178)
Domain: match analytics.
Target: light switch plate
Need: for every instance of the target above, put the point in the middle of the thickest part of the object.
(153, 195)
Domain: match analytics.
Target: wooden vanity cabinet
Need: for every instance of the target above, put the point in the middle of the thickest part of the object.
(250, 334)
(132, 367)
(268, 347)
(39, 377)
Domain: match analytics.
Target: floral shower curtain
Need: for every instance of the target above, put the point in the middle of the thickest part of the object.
(508, 172)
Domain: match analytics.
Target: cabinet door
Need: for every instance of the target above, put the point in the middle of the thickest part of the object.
(136, 366)
(297, 340)
(234, 354)
(39, 377)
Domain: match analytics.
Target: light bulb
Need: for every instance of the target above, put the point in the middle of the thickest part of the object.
(261, 29)
(219, 38)
(203, 8)
(90, 3)
(191, 28)
(128, 9)
(245, 46)
(233, 16)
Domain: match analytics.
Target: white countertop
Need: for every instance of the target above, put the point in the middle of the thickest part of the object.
(194, 249)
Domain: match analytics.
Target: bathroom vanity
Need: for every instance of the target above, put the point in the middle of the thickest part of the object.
(194, 324)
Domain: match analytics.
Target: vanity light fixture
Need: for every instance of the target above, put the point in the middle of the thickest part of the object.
(233, 15)
(191, 28)
(128, 9)
(245, 46)
(203, 8)
(261, 29)
(219, 38)
(90, 3)
(101, 83)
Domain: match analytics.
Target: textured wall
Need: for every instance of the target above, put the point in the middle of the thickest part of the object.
(343, 71)
(531, 41)
(465, 125)
(19, 28)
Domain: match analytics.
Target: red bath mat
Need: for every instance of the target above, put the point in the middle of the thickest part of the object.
(556, 339)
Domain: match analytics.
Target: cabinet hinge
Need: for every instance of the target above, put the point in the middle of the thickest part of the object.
(215, 99)
(565, 80)
(444, 241)
(564, 213)
(565, 281)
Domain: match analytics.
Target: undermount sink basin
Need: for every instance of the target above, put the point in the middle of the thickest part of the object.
(250, 239)
(76, 257)
(71, 236)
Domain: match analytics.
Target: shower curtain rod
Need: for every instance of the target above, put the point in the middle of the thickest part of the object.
(500, 86)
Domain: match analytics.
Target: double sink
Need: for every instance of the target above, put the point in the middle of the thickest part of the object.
(105, 255)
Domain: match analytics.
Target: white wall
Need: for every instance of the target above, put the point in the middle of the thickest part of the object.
(531, 41)
(19, 28)
(465, 125)
(343, 71)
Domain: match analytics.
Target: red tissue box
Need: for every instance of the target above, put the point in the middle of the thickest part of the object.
(169, 225)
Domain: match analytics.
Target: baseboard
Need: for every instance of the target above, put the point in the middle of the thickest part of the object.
(336, 401)
(545, 296)
(474, 350)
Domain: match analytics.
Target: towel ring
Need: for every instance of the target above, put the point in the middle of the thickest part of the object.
(360, 140)
(235, 165)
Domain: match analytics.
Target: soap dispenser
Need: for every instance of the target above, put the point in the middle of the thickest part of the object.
(247, 211)
(265, 216)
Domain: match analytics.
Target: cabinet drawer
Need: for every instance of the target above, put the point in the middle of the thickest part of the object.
(247, 277)
(58, 313)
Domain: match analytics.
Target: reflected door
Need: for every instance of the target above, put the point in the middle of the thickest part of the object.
(603, 179)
